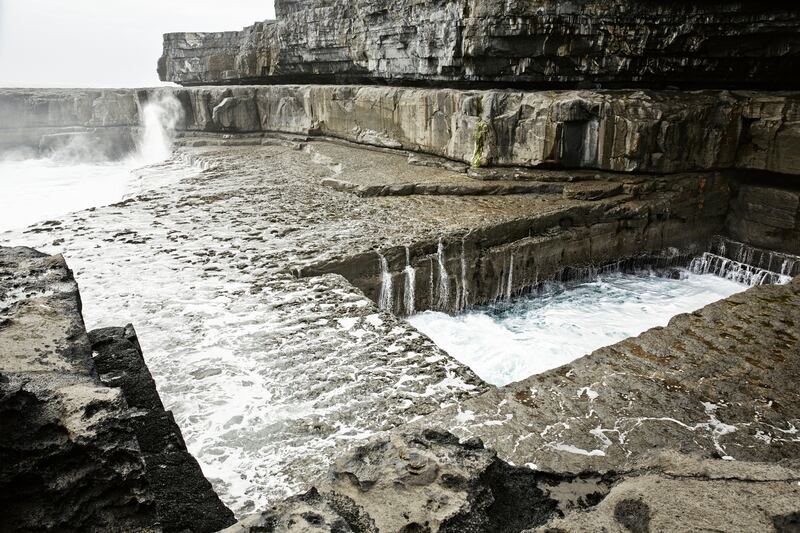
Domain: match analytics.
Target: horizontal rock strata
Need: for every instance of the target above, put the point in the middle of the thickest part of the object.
(541, 42)
(621, 131)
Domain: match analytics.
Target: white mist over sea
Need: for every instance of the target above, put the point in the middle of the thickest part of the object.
(73, 178)
(510, 341)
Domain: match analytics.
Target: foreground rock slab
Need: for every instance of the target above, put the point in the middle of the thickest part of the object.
(77, 453)
(428, 480)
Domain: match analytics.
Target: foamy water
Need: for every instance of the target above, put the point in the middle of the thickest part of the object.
(511, 341)
(43, 189)
(47, 187)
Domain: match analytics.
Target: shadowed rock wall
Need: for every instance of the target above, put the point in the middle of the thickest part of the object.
(612, 43)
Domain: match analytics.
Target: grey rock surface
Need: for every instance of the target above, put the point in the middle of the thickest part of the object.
(85, 442)
(541, 42)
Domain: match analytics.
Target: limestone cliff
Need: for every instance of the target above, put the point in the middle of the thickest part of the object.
(612, 43)
(625, 131)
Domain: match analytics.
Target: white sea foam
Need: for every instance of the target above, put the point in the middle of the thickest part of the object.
(511, 341)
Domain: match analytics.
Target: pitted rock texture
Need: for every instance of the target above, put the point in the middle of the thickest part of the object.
(621, 131)
(69, 459)
(427, 480)
(719, 382)
(184, 498)
(542, 42)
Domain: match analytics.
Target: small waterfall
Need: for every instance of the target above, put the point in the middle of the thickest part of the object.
(160, 116)
(385, 296)
(740, 272)
(464, 303)
(787, 266)
(510, 281)
(444, 279)
(411, 276)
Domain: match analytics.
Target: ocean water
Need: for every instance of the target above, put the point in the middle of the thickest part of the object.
(73, 178)
(44, 189)
(512, 340)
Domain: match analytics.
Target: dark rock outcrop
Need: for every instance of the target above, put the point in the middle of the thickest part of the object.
(537, 43)
(69, 458)
(76, 452)
(184, 498)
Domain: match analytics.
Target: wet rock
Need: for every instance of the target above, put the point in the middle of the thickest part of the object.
(184, 498)
(544, 42)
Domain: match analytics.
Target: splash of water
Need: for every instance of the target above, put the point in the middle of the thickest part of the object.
(160, 117)
(76, 173)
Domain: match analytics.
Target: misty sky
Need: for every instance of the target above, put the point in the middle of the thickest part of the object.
(104, 43)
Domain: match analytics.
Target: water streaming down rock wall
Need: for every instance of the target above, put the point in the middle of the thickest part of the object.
(659, 225)
(746, 264)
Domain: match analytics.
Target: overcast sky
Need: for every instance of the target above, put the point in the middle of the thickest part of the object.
(104, 43)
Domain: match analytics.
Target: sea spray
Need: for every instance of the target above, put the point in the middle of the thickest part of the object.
(516, 338)
(160, 116)
(411, 275)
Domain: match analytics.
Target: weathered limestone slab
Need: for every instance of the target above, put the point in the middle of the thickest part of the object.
(540, 42)
(426, 480)
(69, 460)
(77, 453)
(184, 498)
(719, 382)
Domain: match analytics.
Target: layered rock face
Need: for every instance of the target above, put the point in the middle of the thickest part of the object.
(625, 131)
(85, 123)
(76, 452)
(541, 42)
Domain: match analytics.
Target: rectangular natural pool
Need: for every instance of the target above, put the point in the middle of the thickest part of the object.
(511, 340)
